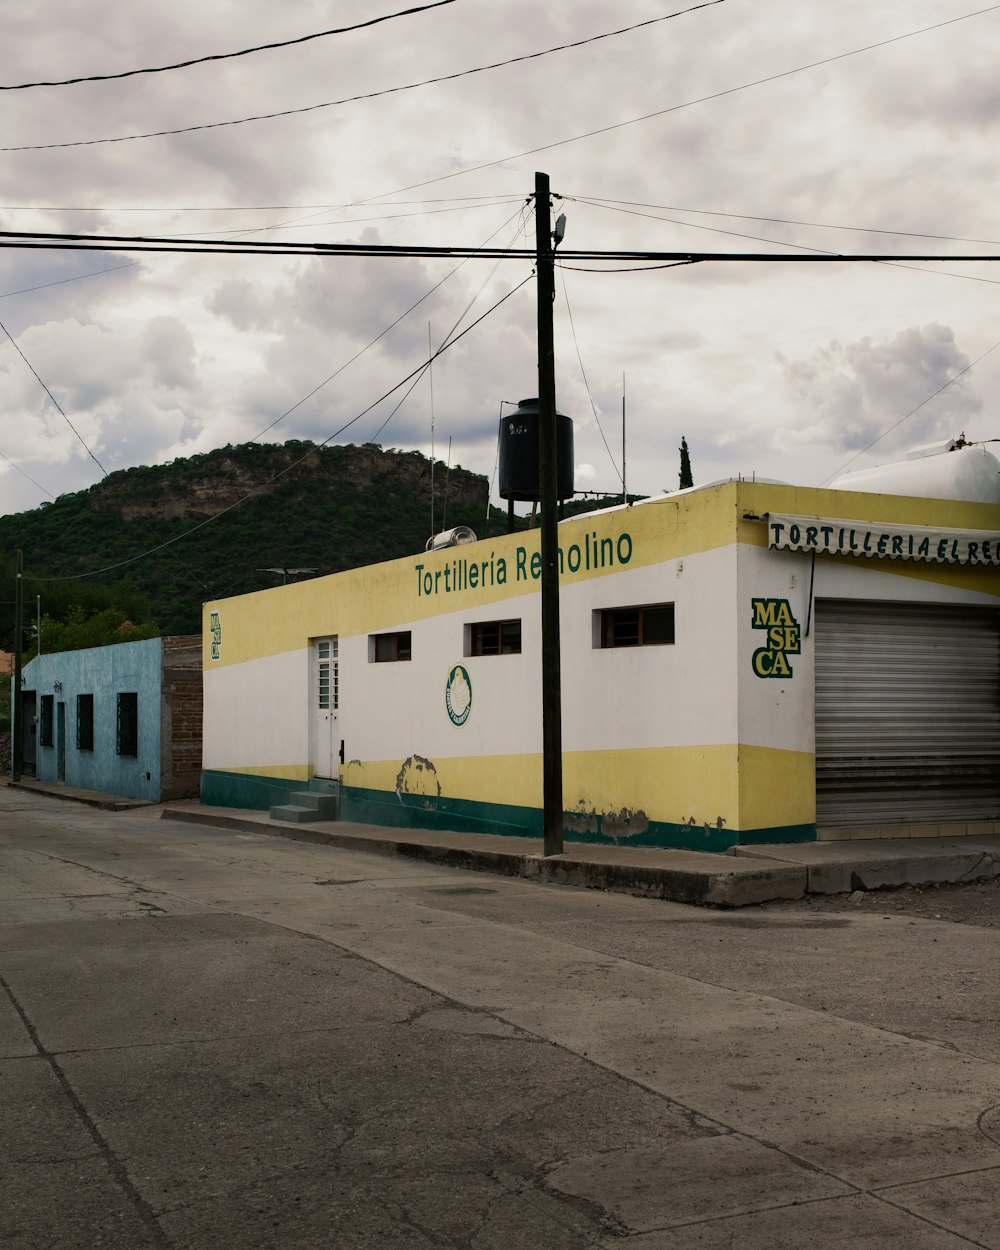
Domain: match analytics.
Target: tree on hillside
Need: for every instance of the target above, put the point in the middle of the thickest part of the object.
(686, 478)
(100, 629)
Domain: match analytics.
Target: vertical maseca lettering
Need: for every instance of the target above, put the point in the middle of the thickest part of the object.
(784, 637)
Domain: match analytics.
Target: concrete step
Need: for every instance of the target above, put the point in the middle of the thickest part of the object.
(325, 805)
(294, 813)
(308, 805)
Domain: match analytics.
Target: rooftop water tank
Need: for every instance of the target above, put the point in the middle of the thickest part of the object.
(952, 469)
(519, 477)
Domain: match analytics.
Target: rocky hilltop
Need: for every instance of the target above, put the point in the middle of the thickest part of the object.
(275, 507)
(204, 485)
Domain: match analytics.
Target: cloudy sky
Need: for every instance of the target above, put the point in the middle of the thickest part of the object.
(759, 125)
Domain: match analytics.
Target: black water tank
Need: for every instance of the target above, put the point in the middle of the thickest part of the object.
(519, 454)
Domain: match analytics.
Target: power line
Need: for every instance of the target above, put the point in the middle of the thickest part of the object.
(180, 245)
(54, 400)
(392, 325)
(458, 322)
(237, 208)
(602, 201)
(692, 225)
(369, 95)
(583, 374)
(224, 56)
(22, 472)
(674, 108)
(907, 416)
(25, 290)
(295, 463)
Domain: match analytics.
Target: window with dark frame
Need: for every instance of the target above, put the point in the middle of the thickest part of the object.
(127, 733)
(45, 718)
(648, 625)
(85, 722)
(389, 648)
(495, 638)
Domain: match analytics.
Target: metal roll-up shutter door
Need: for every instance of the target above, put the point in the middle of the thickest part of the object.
(907, 713)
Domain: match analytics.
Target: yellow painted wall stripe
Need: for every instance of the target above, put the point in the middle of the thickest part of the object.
(678, 785)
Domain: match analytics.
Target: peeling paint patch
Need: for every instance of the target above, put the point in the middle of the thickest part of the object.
(582, 821)
(354, 773)
(418, 778)
(615, 825)
(709, 827)
(625, 823)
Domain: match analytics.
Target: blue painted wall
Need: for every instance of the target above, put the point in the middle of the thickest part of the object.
(103, 672)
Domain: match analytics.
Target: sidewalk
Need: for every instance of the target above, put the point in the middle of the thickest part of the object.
(747, 875)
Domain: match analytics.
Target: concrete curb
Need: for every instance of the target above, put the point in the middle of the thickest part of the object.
(839, 868)
(91, 798)
(719, 882)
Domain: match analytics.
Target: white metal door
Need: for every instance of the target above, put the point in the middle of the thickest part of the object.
(907, 713)
(326, 700)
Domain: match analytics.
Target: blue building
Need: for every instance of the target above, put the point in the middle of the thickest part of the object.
(123, 719)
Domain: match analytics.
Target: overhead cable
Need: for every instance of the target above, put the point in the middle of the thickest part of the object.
(909, 414)
(391, 326)
(225, 56)
(77, 277)
(586, 383)
(675, 108)
(14, 465)
(602, 201)
(50, 240)
(55, 401)
(71, 577)
(369, 95)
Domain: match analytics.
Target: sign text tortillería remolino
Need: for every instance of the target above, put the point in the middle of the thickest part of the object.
(833, 536)
(463, 571)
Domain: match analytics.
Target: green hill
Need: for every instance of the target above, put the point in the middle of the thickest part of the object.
(290, 506)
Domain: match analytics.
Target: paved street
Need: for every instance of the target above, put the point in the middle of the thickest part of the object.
(221, 1040)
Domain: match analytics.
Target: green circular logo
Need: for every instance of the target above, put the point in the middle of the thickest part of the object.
(458, 694)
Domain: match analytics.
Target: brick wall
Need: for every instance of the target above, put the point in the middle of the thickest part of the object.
(183, 714)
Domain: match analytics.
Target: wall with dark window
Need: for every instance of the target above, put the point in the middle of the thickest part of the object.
(119, 717)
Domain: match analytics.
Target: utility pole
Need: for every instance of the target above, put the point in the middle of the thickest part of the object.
(17, 738)
(552, 780)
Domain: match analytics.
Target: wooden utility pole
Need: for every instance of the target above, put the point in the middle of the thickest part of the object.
(17, 737)
(552, 780)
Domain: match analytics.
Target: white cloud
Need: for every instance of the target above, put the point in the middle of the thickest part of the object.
(780, 369)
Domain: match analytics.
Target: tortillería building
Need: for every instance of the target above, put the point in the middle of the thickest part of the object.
(741, 663)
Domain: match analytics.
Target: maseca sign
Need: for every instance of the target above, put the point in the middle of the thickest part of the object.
(833, 536)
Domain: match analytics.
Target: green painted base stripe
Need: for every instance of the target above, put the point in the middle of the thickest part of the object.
(466, 816)
(411, 811)
(258, 794)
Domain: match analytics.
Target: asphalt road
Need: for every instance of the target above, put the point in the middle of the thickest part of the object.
(217, 1040)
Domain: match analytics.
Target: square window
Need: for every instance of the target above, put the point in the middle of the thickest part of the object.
(648, 625)
(493, 638)
(389, 648)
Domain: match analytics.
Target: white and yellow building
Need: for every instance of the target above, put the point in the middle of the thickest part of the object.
(741, 663)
